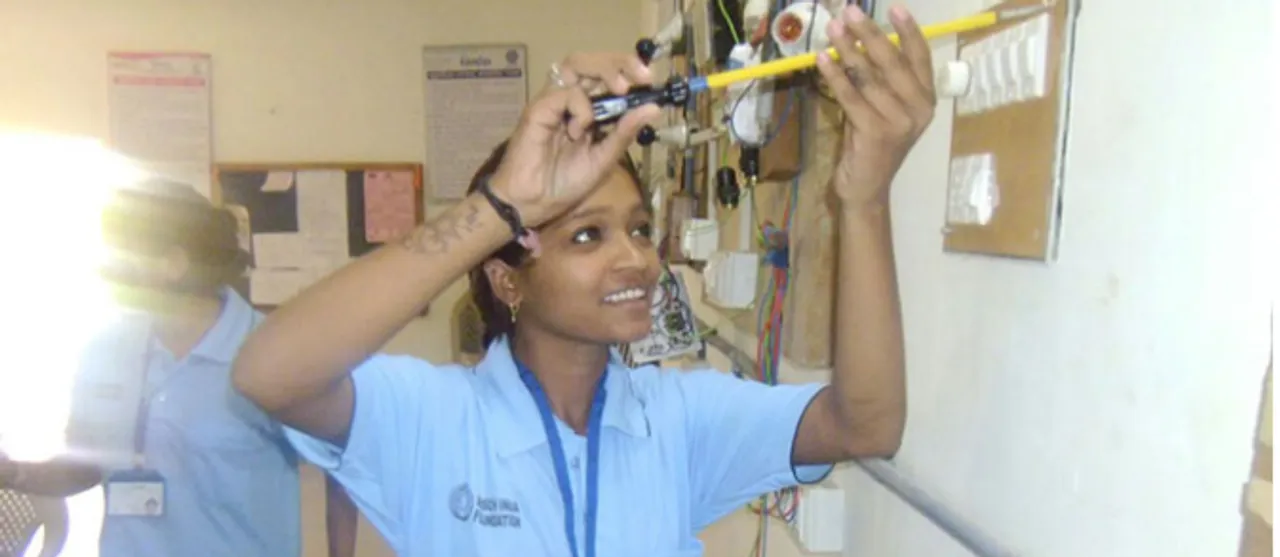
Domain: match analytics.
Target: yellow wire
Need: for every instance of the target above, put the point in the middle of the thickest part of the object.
(809, 60)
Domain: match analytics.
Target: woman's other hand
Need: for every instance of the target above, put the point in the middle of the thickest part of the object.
(551, 161)
(888, 99)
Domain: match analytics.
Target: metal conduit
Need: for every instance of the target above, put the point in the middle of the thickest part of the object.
(886, 474)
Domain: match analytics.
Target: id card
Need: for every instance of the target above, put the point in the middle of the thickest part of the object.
(135, 493)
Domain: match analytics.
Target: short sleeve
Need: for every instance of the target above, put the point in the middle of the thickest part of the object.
(107, 391)
(401, 405)
(741, 436)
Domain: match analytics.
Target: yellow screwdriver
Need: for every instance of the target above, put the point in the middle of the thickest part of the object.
(809, 60)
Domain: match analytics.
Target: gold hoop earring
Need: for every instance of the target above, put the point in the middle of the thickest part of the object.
(514, 309)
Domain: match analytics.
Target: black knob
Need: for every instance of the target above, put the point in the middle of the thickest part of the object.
(646, 49)
(647, 136)
(749, 162)
(727, 190)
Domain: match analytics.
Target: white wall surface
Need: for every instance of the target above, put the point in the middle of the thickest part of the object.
(1101, 405)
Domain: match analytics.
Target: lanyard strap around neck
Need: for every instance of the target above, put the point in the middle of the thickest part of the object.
(144, 401)
(562, 468)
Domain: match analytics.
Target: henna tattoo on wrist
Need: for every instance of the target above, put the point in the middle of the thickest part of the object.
(444, 232)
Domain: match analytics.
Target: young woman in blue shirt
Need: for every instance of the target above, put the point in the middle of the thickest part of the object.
(551, 446)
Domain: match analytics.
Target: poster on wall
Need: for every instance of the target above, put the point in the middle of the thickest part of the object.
(474, 95)
(160, 113)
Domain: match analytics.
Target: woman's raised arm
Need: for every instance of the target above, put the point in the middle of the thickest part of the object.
(296, 365)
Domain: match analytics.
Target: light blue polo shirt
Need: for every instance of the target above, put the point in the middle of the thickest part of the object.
(453, 461)
(231, 478)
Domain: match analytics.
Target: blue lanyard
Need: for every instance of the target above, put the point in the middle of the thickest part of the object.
(144, 401)
(558, 458)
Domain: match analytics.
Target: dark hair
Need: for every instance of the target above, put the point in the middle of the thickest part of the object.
(495, 316)
(157, 219)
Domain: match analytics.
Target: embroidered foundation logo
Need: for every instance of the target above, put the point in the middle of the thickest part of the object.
(492, 512)
(462, 502)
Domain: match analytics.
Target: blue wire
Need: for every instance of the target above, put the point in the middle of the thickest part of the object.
(782, 120)
(760, 320)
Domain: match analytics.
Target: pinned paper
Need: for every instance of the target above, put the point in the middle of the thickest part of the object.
(390, 205)
(281, 251)
(278, 182)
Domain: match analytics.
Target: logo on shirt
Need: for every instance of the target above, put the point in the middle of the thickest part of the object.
(493, 512)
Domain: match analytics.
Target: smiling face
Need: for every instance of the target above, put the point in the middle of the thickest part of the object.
(594, 279)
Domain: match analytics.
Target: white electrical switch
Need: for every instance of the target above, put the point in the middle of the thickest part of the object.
(972, 192)
(819, 522)
(1007, 67)
(730, 279)
(1011, 93)
(1036, 46)
(699, 238)
(952, 79)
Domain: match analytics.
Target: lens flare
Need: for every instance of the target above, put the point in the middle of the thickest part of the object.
(54, 301)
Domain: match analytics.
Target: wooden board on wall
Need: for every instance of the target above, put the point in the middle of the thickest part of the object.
(809, 315)
(300, 221)
(808, 312)
(1025, 140)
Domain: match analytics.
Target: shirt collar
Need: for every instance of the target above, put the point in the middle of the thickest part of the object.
(222, 341)
(516, 425)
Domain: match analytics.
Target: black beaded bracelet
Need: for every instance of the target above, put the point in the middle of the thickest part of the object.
(505, 211)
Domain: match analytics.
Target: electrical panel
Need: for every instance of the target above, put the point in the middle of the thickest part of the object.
(1009, 133)
(1007, 67)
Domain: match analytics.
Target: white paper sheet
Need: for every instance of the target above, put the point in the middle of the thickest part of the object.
(278, 181)
(281, 250)
(474, 98)
(322, 215)
(159, 113)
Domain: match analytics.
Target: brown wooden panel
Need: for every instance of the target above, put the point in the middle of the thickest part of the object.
(810, 311)
(1024, 141)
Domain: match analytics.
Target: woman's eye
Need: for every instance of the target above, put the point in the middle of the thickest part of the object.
(585, 235)
(644, 231)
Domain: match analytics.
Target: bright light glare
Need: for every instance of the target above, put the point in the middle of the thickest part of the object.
(53, 299)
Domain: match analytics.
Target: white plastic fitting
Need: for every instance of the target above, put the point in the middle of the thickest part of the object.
(801, 28)
(952, 79)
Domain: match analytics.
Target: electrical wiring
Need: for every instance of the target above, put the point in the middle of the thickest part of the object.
(769, 322)
(785, 503)
(728, 21)
(782, 119)
(782, 505)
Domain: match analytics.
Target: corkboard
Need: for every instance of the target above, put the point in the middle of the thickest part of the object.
(243, 189)
(1027, 140)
